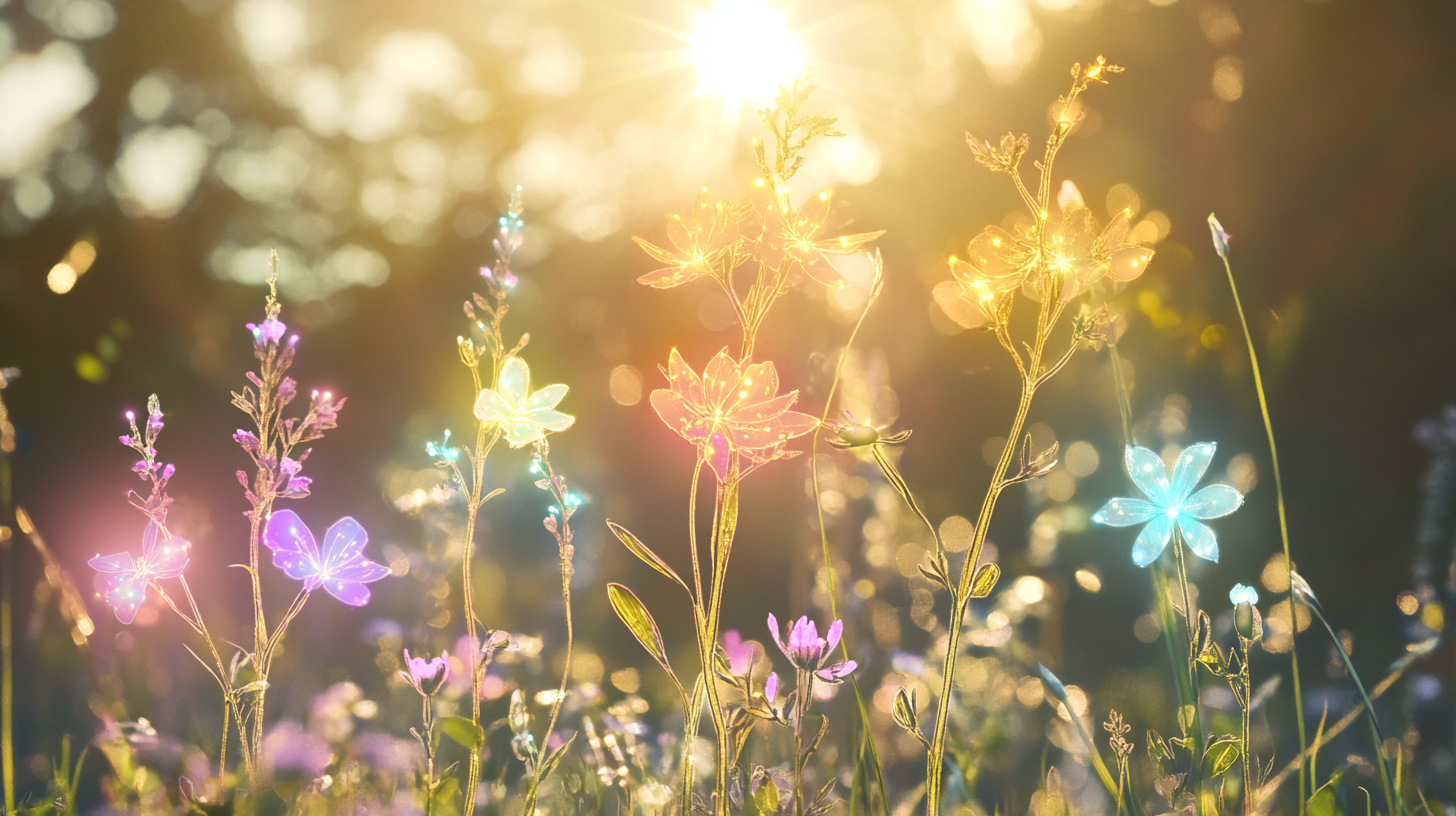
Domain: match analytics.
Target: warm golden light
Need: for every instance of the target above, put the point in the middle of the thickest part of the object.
(743, 50)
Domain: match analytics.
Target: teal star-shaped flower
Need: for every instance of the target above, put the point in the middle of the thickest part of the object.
(1169, 503)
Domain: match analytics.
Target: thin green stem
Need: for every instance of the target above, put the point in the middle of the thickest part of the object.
(1392, 794)
(1283, 527)
(1190, 619)
(874, 294)
(7, 645)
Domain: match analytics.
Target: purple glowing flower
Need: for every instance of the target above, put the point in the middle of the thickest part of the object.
(342, 568)
(739, 651)
(269, 331)
(427, 676)
(809, 652)
(294, 485)
(771, 688)
(123, 579)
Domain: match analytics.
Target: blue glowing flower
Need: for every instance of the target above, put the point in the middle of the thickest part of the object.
(1169, 503)
(1241, 594)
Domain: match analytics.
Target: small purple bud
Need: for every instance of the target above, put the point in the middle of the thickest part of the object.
(130, 417)
(125, 440)
(247, 441)
(168, 471)
(287, 389)
(242, 478)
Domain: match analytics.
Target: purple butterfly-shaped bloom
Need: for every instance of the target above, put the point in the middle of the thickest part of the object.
(342, 568)
(123, 579)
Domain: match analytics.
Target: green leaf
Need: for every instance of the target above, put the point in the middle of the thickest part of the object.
(554, 759)
(1223, 752)
(985, 580)
(1324, 802)
(639, 621)
(641, 550)
(463, 731)
(766, 797)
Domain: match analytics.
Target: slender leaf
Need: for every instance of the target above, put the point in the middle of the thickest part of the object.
(642, 551)
(630, 609)
(463, 731)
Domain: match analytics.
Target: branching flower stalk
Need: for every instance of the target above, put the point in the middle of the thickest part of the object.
(504, 408)
(1051, 262)
(272, 448)
(733, 412)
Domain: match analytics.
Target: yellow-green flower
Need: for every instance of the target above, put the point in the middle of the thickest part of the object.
(523, 417)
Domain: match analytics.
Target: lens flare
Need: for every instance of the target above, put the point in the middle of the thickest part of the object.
(743, 49)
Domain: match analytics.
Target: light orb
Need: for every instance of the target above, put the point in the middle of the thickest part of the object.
(743, 50)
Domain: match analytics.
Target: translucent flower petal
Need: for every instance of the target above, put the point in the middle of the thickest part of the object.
(1151, 541)
(958, 303)
(1126, 512)
(122, 562)
(149, 538)
(490, 407)
(515, 381)
(168, 560)
(1213, 501)
(817, 266)
(522, 433)
(548, 397)
(718, 454)
(550, 420)
(720, 379)
(1201, 540)
(1191, 465)
(1148, 473)
(676, 414)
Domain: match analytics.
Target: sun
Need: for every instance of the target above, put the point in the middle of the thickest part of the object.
(743, 50)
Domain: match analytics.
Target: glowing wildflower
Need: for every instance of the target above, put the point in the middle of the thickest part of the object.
(341, 568)
(524, 416)
(794, 236)
(123, 579)
(1242, 594)
(268, 332)
(427, 676)
(811, 653)
(704, 241)
(1169, 503)
(998, 262)
(731, 411)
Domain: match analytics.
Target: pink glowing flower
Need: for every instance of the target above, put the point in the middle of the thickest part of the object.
(123, 579)
(811, 653)
(269, 331)
(427, 676)
(732, 411)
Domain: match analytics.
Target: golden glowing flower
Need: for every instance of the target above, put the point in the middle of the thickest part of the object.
(1076, 253)
(704, 241)
(793, 235)
(731, 411)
